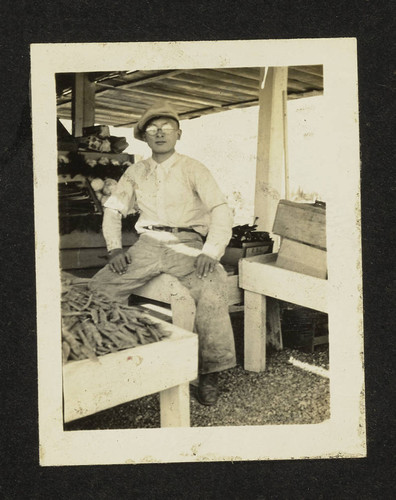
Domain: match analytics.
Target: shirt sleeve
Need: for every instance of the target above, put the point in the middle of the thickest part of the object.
(221, 218)
(112, 228)
(123, 198)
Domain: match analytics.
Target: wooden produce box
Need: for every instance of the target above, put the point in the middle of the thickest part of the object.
(116, 378)
(262, 275)
(302, 227)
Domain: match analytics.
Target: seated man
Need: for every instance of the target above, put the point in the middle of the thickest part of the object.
(180, 206)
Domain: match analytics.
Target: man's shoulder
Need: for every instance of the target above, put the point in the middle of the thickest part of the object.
(138, 166)
(188, 162)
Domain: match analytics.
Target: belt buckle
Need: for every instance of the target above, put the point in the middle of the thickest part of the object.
(174, 230)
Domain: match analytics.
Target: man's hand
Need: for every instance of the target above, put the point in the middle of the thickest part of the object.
(205, 265)
(119, 260)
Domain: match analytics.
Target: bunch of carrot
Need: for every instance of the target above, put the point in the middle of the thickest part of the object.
(92, 325)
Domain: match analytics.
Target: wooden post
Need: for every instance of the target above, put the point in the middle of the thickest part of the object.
(270, 170)
(175, 406)
(83, 104)
(255, 330)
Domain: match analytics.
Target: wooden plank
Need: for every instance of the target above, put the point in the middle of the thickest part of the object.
(168, 94)
(236, 81)
(274, 330)
(270, 148)
(255, 332)
(215, 87)
(301, 222)
(313, 80)
(291, 96)
(166, 288)
(302, 258)
(250, 73)
(175, 406)
(77, 258)
(89, 387)
(322, 339)
(83, 104)
(89, 239)
(260, 274)
(316, 70)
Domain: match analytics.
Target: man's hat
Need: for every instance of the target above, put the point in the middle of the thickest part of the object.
(158, 110)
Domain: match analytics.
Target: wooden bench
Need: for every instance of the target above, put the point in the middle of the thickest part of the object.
(167, 289)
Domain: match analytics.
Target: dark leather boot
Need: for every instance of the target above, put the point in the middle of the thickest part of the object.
(208, 392)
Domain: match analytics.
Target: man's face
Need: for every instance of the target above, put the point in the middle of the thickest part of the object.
(163, 141)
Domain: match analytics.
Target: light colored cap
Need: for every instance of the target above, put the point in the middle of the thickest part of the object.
(158, 110)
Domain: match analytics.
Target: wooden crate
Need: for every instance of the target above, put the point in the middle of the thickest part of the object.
(302, 258)
(261, 275)
(165, 366)
(301, 222)
(303, 230)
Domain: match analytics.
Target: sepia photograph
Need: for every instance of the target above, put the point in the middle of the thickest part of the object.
(198, 253)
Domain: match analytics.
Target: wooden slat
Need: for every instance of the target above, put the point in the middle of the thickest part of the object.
(294, 85)
(261, 275)
(255, 332)
(300, 95)
(83, 104)
(316, 70)
(149, 78)
(175, 406)
(178, 96)
(250, 73)
(216, 76)
(270, 147)
(307, 78)
(302, 258)
(146, 98)
(233, 91)
(301, 222)
(89, 387)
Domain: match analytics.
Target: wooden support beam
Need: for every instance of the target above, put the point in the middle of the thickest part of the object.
(175, 406)
(255, 331)
(270, 148)
(83, 104)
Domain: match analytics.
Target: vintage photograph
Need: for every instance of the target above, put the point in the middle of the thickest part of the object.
(198, 251)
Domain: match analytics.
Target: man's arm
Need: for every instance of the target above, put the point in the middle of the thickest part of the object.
(219, 234)
(118, 259)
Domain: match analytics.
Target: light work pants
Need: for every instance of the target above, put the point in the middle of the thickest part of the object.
(162, 252)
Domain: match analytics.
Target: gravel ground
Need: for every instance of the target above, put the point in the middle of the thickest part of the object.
(282, 394)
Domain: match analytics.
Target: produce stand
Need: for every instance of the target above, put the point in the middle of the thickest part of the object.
(120, 377)
(260, 278)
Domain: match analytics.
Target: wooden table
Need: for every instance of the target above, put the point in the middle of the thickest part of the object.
(166, 367)
(260, 278)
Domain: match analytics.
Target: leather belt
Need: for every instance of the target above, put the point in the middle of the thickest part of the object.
(170, 229)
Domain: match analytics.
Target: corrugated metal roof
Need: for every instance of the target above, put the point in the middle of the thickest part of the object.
(122, 97)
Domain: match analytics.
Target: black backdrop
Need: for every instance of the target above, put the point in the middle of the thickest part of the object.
(24, 22)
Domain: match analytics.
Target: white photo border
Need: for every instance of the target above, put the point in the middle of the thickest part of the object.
(344, 434)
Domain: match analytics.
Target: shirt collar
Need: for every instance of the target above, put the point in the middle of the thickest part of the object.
(167, 163)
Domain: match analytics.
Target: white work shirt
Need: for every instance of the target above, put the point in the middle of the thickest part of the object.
(179, 192)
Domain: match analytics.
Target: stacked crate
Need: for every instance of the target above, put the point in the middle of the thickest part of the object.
(302, 227)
